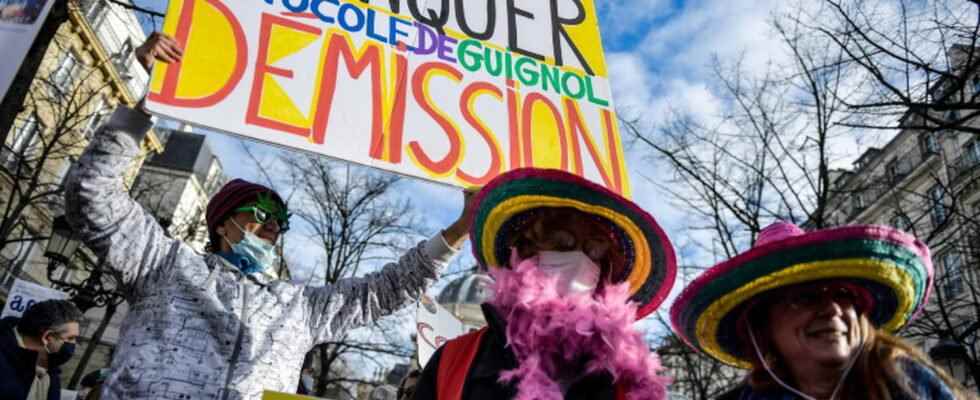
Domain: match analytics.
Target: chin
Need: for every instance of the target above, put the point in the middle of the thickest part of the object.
(830, 352)
(831, 357)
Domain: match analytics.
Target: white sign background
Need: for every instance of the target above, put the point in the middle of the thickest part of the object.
(347, 136)
(17, 38)
(25, 294)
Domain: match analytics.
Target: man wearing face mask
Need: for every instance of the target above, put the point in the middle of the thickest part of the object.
(218, 326)
(34, 346)
(574, 266)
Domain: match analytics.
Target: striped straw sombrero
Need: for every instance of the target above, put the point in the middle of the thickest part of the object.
(507, 201)
(892, 267)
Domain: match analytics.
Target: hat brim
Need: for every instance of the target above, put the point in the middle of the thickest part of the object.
(650, 268)
(892, 266)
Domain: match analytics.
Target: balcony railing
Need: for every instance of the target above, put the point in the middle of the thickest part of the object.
(904, 165)
(963, 165)
(877, 186)
(869, 195)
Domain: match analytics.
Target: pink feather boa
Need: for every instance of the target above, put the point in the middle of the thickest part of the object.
(550, 334)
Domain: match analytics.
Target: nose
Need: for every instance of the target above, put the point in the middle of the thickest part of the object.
(829, 307)
(272, 226)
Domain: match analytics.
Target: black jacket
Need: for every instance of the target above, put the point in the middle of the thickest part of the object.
(17, 367)
(494, 357)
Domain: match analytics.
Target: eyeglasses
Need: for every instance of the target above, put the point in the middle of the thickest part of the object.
(264, 217)
(807, 298)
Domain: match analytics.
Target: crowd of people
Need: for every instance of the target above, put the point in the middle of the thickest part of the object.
(811, 315)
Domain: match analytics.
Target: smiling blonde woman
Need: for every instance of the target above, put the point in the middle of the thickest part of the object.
(811, 315)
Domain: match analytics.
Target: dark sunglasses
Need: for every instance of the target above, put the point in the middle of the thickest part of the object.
(805, 298)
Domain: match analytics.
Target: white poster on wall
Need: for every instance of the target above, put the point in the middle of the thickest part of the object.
(435, 325)
(20, 20)
(24, 294)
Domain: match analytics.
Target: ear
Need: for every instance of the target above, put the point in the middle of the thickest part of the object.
(45, 334)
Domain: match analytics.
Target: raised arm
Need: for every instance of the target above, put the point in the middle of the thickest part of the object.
(100, 209)
(98, 206)
(355, 302)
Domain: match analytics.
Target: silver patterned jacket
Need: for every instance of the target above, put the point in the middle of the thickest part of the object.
(197, 328)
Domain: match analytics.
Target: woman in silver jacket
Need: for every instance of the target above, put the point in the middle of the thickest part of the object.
(212, 326)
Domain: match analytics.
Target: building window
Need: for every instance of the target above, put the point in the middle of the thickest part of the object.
(952, 280)
(64, 76)
(95, 10)
(937, 206)
(897, 169)
(929, 143)
(26, 135)
(976, 85)
(971, 153)
(23, 143)
(63, 172)
(952, 115)
(857, 203)
(99, 113)
(122, 57)
(901, 221)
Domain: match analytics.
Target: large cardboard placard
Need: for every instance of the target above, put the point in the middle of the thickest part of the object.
(448, 90)
(24, 294)
(20, 20)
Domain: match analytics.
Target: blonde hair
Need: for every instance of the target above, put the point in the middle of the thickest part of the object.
(876, 373)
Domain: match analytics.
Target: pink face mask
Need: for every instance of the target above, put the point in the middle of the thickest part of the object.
(575, 271)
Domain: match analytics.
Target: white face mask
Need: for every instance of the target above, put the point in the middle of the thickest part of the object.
(576, 272)
(261, 253)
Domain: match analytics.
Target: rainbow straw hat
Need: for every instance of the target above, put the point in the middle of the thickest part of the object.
(504, 205)
(892, 267)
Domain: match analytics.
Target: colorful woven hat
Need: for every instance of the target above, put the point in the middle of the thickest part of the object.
(506, 202)
(892, 267)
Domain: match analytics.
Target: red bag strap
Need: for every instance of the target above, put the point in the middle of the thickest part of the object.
(620, 392)
(457, 357)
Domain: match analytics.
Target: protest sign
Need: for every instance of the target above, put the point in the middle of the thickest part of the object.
(24, 294)
(435, 325)
(452, 91)
(268, 395)
(20, 20)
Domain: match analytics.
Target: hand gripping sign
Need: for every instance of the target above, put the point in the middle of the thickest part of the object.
(455, 91)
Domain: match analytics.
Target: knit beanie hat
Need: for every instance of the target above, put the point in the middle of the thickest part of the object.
(233, 195)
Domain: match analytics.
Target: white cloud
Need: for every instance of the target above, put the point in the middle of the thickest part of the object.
(684, 45)
(631, 81)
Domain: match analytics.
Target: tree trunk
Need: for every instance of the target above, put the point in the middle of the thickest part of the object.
(13, 102)
(93, 343)
(321, 384)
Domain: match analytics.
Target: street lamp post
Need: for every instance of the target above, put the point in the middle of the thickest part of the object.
(62, 246)
(90, 293)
